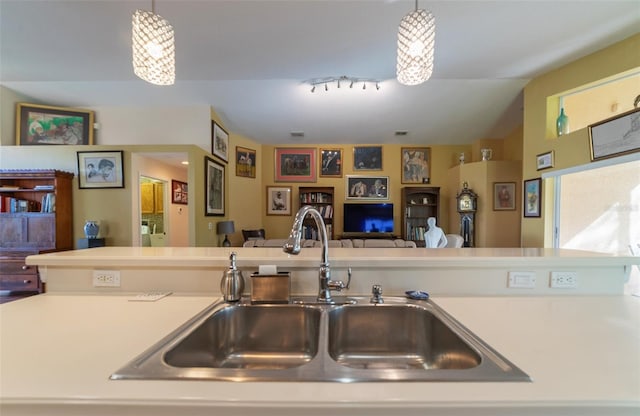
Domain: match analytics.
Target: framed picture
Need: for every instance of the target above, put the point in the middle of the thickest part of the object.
(615, 136)
(367, 158)
(295, 165)
(278, 200)
(100, 169)
(504, 196)
(331, 163)
(179, 192)
(245, 162)
(415, 164)
(214, 187)
(367, 187)
(219, 141)
(544, 160)
(41, 125)
(532, 195)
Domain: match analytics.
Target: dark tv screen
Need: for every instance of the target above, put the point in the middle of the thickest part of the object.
(368, 218)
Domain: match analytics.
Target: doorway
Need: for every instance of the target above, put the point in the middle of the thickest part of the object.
(154, 220)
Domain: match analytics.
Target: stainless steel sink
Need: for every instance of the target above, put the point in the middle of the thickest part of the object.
(251, 337)
(383, 336)
(400, 340)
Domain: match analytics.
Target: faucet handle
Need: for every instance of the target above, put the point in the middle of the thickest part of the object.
(376, 291)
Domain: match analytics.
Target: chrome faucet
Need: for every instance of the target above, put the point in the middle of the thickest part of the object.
(292, 246)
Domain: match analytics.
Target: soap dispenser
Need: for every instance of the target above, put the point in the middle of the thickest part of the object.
(232, 283)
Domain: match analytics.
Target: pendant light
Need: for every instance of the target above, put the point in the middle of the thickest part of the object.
(416, 38)
(153, 47)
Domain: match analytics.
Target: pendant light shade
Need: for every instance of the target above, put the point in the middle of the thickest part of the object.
(416, 39)
(153, 48)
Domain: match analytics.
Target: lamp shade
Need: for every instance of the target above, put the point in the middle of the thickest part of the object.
(154, 52)
(416, 40)
(226, 227)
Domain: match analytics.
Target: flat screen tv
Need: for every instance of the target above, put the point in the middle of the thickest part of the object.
(368, 218)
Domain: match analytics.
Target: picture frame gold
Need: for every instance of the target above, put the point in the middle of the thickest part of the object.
(504, 196)
(416, 163)
(278, 200)
(331, 163)
(38, 125)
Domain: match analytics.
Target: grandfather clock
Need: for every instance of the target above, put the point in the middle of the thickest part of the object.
(467, 207)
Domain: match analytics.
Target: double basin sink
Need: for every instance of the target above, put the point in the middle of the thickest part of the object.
(350, 341)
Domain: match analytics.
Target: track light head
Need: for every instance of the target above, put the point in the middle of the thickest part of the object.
(313, 89)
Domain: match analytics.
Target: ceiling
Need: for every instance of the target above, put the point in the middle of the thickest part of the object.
(249, 60)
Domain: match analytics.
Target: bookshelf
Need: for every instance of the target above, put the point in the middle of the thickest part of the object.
(418, 204)
(321, 198)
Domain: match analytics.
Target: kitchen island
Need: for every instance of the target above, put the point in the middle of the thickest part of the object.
(58, 349)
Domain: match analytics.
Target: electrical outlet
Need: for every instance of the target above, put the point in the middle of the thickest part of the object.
(563, 280)
(106, 278)
(522, 280)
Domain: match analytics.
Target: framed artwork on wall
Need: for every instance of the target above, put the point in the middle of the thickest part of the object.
(100, 169)
(504, 196)
(331, 163)
(615, 136)
(367, 187)
(544, 160)
(295, 165)
(367, 158)
(43, 125)
(214, 187)
(179, 192)
(278, 200)
(415, 164)
(219, 141)
(245, 162)
(532, 195)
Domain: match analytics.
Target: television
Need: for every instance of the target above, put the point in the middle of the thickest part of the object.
(368, 218)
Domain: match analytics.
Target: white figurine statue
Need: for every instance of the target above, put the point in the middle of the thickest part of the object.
(434, 237)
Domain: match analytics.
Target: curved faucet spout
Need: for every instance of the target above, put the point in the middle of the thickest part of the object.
(292, 246)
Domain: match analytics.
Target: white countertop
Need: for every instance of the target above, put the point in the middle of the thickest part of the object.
(309, 257)
(57, 351)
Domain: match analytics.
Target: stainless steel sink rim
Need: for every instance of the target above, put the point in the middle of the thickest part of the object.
(493, 367)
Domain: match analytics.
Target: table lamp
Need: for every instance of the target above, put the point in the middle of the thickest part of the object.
(226, 227)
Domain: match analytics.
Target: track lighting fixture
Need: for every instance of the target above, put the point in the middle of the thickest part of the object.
(338, 80)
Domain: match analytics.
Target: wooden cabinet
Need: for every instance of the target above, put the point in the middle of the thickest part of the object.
(321, 198)
(36, 215)
(418, 204)
(151, 198)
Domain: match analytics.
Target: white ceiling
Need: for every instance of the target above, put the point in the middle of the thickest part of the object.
(249, 60)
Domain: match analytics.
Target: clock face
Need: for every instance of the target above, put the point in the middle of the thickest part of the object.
(465, 203)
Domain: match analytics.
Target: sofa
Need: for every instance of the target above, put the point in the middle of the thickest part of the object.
(344, 243)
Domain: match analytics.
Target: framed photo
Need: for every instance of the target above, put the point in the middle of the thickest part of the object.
(42, 125)
(532, 195)
(245, 162)
(100, 169)
(367, 158)
(615, 136)
(295, 165)
(331, 163)
(504, 196)
(278, 200)
(214, 187)
(219, 141)
(544, 160)
(179, 192)
(367, 187)
(415, 164)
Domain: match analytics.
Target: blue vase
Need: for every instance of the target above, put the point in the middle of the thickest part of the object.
(91, 229)
(562, 123)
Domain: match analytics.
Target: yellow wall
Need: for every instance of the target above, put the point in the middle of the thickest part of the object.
(442, 158)
(572, 149)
